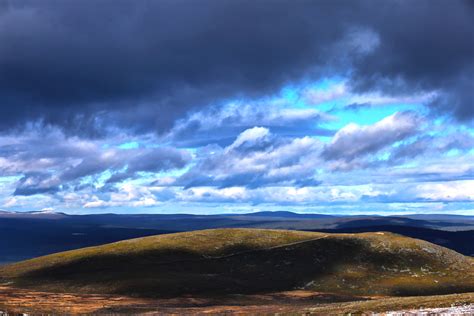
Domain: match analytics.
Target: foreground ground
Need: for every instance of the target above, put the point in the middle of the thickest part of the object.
(14, 300)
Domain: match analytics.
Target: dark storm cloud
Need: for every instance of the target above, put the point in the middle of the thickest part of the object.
(86, 65)
(143, 63)
(425, 45)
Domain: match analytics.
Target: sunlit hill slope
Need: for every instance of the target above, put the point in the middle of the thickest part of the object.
(229, 261)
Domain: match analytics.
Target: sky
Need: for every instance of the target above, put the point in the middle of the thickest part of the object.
(207, 107)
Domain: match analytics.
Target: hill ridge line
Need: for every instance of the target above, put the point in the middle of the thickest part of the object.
(265, 249)
(204, 257)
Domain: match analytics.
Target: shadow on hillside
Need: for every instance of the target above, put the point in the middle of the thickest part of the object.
(318, 264)
(169, 273)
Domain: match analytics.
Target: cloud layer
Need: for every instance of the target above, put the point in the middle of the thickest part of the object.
(236, 105)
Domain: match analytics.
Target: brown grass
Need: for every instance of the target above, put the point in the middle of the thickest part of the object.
(16, 300)
(251, 261)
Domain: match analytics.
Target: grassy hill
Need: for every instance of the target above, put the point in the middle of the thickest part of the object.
(229, 261)
(34, 234)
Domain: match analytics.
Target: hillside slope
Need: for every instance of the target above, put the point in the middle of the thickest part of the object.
(459, 241)
(225, 261)
(30, 235)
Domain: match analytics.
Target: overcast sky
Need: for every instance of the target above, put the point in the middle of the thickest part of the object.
(208, 106)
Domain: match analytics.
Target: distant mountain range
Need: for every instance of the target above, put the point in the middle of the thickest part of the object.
(31, 234)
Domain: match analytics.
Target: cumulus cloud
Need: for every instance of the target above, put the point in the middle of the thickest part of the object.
(252, 139)
(221, 125)
(256, 158)
(151, 160)
(334, 92)
(35, 183)
(433, 146)
(450, 191)
(281, 195)
(126, 195)
(342, 92)
(354, 141)
(48, 169)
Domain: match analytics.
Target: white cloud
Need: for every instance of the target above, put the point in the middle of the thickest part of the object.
(222, 125)
(376, 98)
(254, 134)
(354, 141)
(256, 158)
(342, 92)
(127, 195)
(334, 92)
(447, 191)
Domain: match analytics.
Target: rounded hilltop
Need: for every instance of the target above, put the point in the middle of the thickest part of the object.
(244, 261)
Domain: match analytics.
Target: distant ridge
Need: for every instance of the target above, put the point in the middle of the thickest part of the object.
(439, 216)
(274, 214)
(46, 214)
(283, 214)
